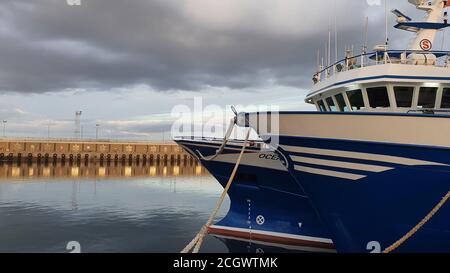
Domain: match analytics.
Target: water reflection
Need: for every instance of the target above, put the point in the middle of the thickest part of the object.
(109, 208)
(106, 208)
(98, 171)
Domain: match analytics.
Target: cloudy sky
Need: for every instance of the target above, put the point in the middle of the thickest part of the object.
(126, 64)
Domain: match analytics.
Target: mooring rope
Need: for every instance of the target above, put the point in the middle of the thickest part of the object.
(413, 231)
(196, 243)
(222, 147)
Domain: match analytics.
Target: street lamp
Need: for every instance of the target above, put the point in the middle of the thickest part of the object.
(48, 129)
(78, 133)
(97, 126)
(4, 127)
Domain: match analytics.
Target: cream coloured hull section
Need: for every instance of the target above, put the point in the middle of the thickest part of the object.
(395, 129)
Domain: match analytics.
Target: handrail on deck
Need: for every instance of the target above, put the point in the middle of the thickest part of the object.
(212, 139)
(381, 57)
(429, 111)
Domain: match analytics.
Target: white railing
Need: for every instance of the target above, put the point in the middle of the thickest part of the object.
(383, 57)
(77, 140)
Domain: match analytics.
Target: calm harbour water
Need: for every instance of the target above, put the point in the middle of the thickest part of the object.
(108, 208)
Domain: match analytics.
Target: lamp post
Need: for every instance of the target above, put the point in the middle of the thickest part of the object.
(97, 126)
(78, 124)
(4, 128)
(48, 129)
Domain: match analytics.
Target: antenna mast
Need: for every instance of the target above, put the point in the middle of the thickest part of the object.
(329, 52)
(386, 18)
(365, 38)
(366, 30)
(387, 34)
(318, 60)
(335, 34)
(325, 58)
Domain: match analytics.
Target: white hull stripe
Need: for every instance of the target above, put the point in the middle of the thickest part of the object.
(277, 234)
(339, 164)
(250, 159)
(349, 176)
(288, 247)
(364, 156)
(217, 145)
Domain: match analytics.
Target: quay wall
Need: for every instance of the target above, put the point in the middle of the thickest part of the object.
(84, 150)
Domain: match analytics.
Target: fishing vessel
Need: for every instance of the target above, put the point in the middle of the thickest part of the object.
(262, 197)
(375, 158)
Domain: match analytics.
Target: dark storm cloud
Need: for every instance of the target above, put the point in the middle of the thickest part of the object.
(46, 45)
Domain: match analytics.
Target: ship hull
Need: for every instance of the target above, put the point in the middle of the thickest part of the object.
(373, 177)
(262, 198)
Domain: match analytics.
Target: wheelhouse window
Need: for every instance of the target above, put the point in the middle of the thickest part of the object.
(404, 96)
(427, 97)
(356, 99)
(331, 104)
(445, 98)
(321, 105)
(378, 97)
(341, 103)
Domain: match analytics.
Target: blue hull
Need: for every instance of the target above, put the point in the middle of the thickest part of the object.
(368, 211)
(264, 192)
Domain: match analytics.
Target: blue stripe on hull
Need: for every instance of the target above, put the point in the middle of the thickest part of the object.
(435, 154)
(270, 193)
(381, 206)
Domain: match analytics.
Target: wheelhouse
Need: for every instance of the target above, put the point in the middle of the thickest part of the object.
(391, 83)
(388, 97)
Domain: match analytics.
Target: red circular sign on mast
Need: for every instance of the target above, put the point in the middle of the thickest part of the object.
(426, 45)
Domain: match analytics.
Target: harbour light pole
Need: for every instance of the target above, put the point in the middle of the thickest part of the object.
(48, 129)
(97, 126)
(78, 124)
(4, 128)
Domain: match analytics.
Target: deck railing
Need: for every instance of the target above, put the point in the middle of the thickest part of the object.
(85, 140)
(430, 111)
(382, 57)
